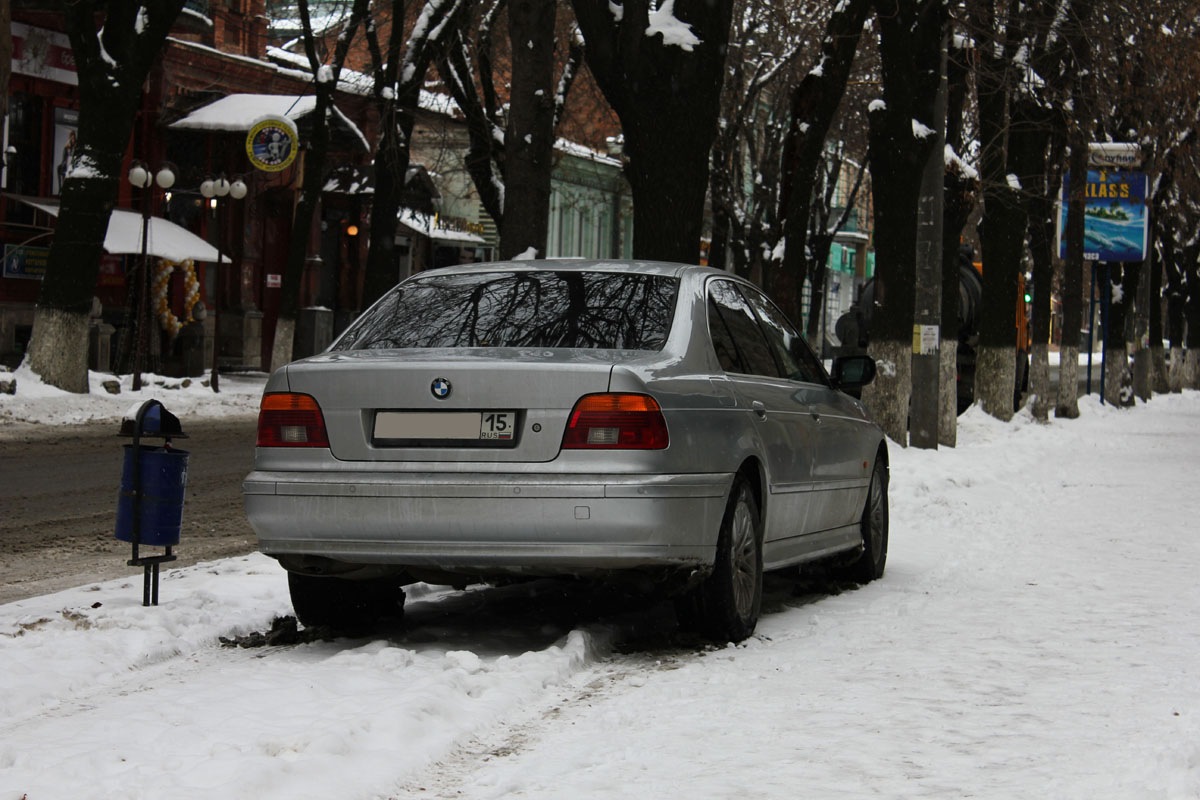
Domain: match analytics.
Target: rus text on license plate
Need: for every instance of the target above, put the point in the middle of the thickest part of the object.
(460, 425)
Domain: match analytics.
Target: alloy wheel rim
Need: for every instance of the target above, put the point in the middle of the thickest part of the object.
(745, 572)
(875, 517)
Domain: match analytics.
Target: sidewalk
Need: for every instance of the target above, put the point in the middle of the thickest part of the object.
(36, 405)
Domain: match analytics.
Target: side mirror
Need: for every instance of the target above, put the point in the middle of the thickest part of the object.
(853, 372)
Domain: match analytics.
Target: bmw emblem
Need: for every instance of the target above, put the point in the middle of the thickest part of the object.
(440, 388)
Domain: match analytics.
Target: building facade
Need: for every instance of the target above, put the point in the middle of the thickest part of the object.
(217, 75)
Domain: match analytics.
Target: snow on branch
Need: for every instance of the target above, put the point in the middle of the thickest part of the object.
(675, 32)
(956, 163)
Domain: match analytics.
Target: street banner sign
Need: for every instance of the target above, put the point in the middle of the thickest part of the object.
(1116, 219)
(25, 261)
(1114, 155)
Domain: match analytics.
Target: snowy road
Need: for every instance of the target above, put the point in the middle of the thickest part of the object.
(1037, 634)
(58, 489)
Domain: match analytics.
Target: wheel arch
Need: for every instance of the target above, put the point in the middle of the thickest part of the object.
(753, 472)
(881, 453)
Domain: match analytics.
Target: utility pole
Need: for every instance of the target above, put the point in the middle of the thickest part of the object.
(926, 366)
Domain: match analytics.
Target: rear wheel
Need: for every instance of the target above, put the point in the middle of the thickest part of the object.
(870, 564)
(725, 607)
(343, 604)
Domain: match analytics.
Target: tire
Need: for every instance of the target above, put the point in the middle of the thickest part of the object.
(343, 604)
(726, 606)
(871, 562)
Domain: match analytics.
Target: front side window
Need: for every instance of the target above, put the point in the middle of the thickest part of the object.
(792, 352)
(520, 309)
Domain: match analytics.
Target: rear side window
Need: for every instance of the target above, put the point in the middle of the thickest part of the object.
(520, 309)
(736, 335)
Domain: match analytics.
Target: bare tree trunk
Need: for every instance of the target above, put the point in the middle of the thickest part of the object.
(1175, 373)
(1118, 377)
(1080, 67)
(1191, 369)
(315, 156)
(910, 47)
(281, 348)
(113, 62)
(948, 391)
(397, 92)
(960, 195)
(1043, 154)
(995, 372)
(1176, 293)
(668, 99)
(6, 50)
(1068, 380)
(889, 394)
(1067, 405)
(58, 365)
(1139, 343)
(529, 139)
(1159, 379)
(1002, 230)
(391, 160)
(1190, 378)
(814, 105)
(391, 168)
(1039, 380)
(1042, 243)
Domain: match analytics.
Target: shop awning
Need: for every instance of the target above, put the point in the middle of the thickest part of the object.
(427, 225)
(239, 112)
(164, 239)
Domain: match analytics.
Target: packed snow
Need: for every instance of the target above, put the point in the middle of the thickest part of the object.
(110, 397)
(1036, 635)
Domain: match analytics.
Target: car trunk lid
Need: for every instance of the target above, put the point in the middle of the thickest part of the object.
(446, 405)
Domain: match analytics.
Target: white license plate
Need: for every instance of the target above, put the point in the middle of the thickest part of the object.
(477, 425)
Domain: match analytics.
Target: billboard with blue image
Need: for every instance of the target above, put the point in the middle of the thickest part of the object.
(1116, 220)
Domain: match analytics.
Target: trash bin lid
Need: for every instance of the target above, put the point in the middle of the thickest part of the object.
(156, 421)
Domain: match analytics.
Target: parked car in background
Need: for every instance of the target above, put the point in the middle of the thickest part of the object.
(608, 420)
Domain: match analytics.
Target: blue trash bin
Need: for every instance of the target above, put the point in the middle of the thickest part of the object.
(164, 478)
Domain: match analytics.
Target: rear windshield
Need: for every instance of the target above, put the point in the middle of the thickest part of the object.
(520, 309)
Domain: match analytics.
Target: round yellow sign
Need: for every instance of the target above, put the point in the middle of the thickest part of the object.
(272, 143)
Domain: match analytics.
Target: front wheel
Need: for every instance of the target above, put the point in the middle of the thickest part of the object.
(344, 604)
(870, 563)
(725, 607)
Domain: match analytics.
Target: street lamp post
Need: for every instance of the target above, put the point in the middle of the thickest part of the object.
(216, 190)
(141, 177)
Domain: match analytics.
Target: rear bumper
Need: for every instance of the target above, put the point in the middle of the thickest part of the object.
(563, 524)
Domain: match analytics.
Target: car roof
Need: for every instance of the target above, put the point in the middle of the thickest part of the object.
(631, 266)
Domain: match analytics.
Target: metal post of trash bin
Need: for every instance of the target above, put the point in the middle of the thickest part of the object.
(161, 504)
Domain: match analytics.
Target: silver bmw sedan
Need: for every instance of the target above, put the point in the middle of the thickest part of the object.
(599, 419)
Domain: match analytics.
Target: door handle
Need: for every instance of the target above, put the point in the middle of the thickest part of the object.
(759, 409)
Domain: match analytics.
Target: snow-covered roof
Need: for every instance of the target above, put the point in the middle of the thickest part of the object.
(164, 239)
(583, 151)
(239, 112)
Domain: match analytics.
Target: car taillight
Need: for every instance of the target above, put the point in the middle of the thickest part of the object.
(616, 422)
(291, 420)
